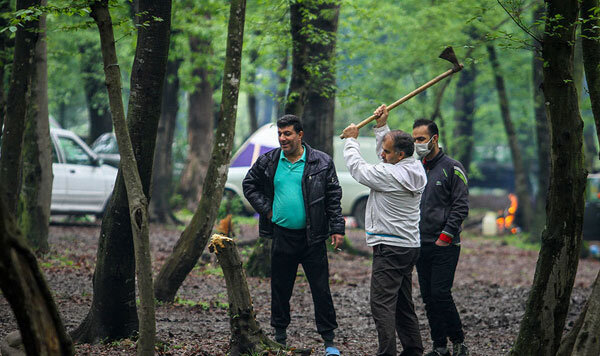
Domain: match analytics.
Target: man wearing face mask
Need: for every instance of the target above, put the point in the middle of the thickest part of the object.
(444, 206)
(392, 229)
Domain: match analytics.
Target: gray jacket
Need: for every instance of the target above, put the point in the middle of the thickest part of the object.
(445, 201)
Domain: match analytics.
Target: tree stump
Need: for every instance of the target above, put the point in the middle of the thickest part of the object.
(259, 262)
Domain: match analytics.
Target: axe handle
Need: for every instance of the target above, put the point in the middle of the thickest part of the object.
(447, 73)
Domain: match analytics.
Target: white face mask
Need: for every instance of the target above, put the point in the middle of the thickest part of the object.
(423, 149)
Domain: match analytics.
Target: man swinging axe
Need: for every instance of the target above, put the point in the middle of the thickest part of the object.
(394, 209)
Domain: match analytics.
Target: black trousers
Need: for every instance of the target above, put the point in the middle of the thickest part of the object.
(436, 268)
(289, 249)
(391, 300)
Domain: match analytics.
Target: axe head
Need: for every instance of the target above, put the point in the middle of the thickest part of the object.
(448, 54)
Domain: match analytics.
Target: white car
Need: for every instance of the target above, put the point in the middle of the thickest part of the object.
(82, 183)
(354, 195)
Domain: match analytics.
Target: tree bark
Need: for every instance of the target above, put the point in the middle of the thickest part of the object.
(542, 135)
(160, 208)
(194, 238)
(591, 56)
(259, 262)
(584, 338)
(95, 90)
(281, 85)
(311, 95)
(200, 130)
(542, 325)
(521, 172)
(36, 191)
(5, 56)
(24, 287)
(437, 111)
(252, 100)
(246, 335)
(16, 107)
(464, 115)
(113, 311)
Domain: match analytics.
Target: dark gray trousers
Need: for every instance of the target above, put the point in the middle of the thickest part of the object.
(391, 300)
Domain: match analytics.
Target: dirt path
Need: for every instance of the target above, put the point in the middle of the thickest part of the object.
(490, 291)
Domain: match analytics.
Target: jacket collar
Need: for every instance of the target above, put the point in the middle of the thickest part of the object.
(432, 162)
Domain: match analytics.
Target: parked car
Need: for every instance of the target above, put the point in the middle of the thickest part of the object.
(354, 195)
(82, 183)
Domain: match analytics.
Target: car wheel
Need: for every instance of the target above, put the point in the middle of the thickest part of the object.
(359, 212)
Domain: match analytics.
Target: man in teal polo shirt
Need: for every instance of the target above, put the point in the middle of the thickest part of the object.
(295, 190)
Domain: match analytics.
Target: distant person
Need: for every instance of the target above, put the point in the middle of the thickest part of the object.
(392, 228)
(444, 206)
(295, 190)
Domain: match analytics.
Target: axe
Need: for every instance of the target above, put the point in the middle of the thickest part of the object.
(447, 54)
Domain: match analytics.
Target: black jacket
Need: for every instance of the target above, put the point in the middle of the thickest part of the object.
(445, 201)
(320, 188)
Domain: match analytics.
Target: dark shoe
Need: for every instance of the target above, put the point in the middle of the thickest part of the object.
(460, 350)
(281, 336)
(437, 353)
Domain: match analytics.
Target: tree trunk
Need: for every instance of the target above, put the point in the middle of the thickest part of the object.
(464, 112)
(95, 90)
(5, 56)
(24, 287)
(113, 312)
(521, 172)
(246, 335)
(36, 192)
(281, 85)
(542, 136)
(437, 111)
(193, 240)
(16, 107)
(542, 325)
(312, 88)
(259, 262)
(252, 101)
(591, 56)
(160, 208)
(584, 338)
(200, 130)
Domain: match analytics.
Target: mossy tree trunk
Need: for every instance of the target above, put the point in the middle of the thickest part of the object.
(5, 55)
(521, 172)
(24, 287)
(543, 323)
(591, 55)
(17, 103)
(194, 238)
(113, 311)
(36, 191)
(259, 262)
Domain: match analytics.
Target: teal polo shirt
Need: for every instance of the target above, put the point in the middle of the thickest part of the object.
(288, 202)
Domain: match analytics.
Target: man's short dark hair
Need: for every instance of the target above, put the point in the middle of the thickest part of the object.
(431, 126)
(403, 142)
(290, 120)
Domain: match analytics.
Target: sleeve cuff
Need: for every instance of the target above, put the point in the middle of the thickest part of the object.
(445, 238)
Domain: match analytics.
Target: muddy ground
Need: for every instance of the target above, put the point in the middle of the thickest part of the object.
(492, 282)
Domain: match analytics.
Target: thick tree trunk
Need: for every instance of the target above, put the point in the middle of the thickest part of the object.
(95, 90)
(200, 130)
(521, 172)
(160, 208)
(437, 111)
(542, 136)
(16, 107)
(591, 56)
(246, 335)
(5, 56)
(24, 287)
(542, 325)
(194, 238)
(584, 338)
(113, 311)
(259, 262)
(312, 87)
(281, 85)
(36, 191)
(464, 115)
(252, 100)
